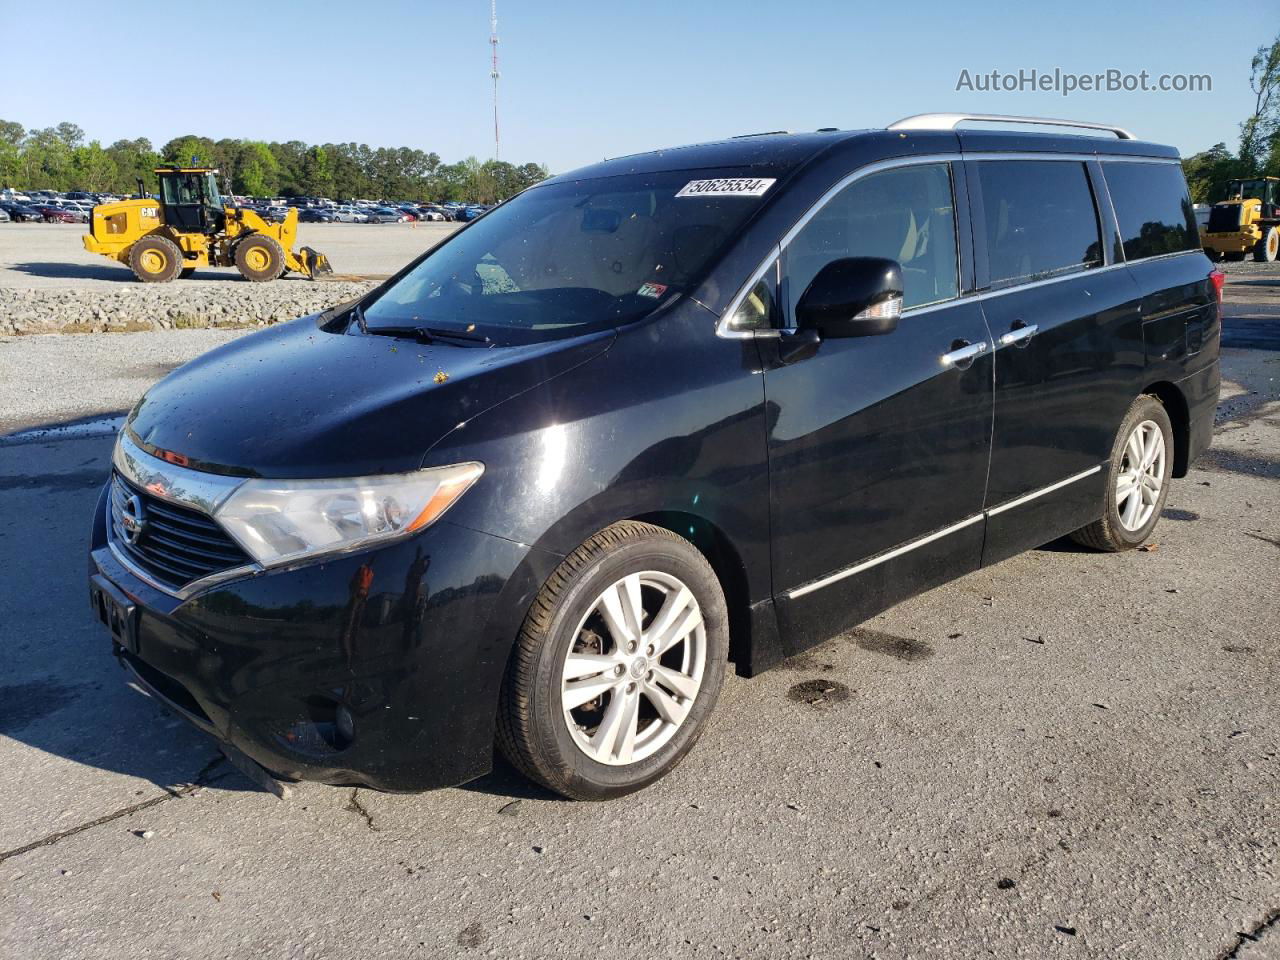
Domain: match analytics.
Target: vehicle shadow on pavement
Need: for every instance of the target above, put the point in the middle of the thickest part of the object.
(507, 782)
(63, 697)
(105, 271)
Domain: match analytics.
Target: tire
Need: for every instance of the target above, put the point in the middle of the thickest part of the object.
(155, 259)
(675, 584)
(1128, 520)
(259, 258)
(186, 272)
(1268, 246)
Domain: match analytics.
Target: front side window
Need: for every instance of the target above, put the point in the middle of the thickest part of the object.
(566, 258)
(904, 214)
(1154, 209)
(1041, 219)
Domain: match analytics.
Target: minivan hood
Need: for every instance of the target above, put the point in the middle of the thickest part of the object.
(297, 401)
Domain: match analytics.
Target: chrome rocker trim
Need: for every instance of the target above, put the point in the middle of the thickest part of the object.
(898, 551)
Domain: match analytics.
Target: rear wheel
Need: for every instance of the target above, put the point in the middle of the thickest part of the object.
(155, 259)
(259, 258)
(1268, 247)
(1137, 480)
(618, 664)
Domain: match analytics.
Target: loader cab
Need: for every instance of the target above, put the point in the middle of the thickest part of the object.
(190, 198)
(1264, 189)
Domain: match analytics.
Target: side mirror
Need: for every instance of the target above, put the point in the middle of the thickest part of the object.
(853, 297)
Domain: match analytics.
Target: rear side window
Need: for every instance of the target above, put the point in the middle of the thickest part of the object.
(1153, 207)
(1041, 219)
(905, 214)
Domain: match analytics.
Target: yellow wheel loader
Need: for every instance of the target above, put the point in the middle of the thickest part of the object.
(190, 227)
(1248, 221)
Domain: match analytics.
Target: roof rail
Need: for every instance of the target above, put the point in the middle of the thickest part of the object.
(949, 121)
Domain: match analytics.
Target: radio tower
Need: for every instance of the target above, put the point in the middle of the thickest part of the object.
(493, 72)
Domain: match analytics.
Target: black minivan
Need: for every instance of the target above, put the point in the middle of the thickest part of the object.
(672, 411)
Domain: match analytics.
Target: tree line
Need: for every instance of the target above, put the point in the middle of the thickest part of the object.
(59, 158)
(1258, 152)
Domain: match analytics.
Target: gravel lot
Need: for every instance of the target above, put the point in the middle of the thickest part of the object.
(1069, 754)
(50, 284)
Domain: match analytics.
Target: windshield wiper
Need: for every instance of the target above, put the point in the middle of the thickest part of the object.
(423, 334)
(358, 313)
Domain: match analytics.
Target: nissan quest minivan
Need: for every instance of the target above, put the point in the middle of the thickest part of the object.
(704, 406)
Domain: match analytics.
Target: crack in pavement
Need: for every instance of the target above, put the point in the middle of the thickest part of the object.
(355, 806)
(201, 780)
(1252, 935)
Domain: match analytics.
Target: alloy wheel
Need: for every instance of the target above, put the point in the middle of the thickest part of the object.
(634, 668)
(1141, 475)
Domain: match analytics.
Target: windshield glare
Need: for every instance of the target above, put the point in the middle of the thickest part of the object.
(568, 258)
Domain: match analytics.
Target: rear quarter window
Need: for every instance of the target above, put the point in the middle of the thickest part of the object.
(1153, 208)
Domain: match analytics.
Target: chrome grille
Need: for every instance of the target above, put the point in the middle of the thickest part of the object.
(176, 545)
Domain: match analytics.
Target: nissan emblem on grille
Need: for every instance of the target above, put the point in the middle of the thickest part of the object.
(133, 519)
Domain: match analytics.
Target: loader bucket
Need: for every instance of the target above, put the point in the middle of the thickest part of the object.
(314, 263)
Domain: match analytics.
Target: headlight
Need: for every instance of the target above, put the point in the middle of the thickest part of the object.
(281, 520)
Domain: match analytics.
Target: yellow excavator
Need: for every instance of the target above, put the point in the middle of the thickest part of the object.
(1247, 221)
(190, 227)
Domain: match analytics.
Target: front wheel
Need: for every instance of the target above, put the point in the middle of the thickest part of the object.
(259, 258)
(618, 664)
(1268, 246)
(1137, 480)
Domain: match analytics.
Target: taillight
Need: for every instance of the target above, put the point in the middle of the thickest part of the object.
(1218, 279)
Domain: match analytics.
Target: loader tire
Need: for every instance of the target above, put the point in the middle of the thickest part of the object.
(155, 259)
(1268, 246)
(259, 258)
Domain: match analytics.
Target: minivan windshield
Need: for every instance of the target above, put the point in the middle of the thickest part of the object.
(571, 257)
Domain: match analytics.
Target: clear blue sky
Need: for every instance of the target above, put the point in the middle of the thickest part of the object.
(585, 80)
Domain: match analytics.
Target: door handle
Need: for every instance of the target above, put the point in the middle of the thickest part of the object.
(962, 353)
(1018, 335)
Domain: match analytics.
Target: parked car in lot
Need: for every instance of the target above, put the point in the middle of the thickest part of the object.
(350, 215)
(431, 213)
(315, 215)
(22, 212)
(386, 215)
(52, 214)
(4, 215)
(692, 407)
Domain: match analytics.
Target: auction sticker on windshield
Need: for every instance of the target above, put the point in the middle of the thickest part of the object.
(727, 187)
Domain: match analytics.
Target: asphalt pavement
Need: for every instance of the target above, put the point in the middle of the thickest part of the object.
(1068, 754)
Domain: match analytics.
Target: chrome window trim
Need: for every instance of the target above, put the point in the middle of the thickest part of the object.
(722, 325)
(988, 512)
(728, 332)
(724, 331)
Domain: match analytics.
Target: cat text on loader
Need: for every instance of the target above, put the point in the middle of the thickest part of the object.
(190, 227)
(1247, 221)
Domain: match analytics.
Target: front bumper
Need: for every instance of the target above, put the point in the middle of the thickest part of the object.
(409, 640)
